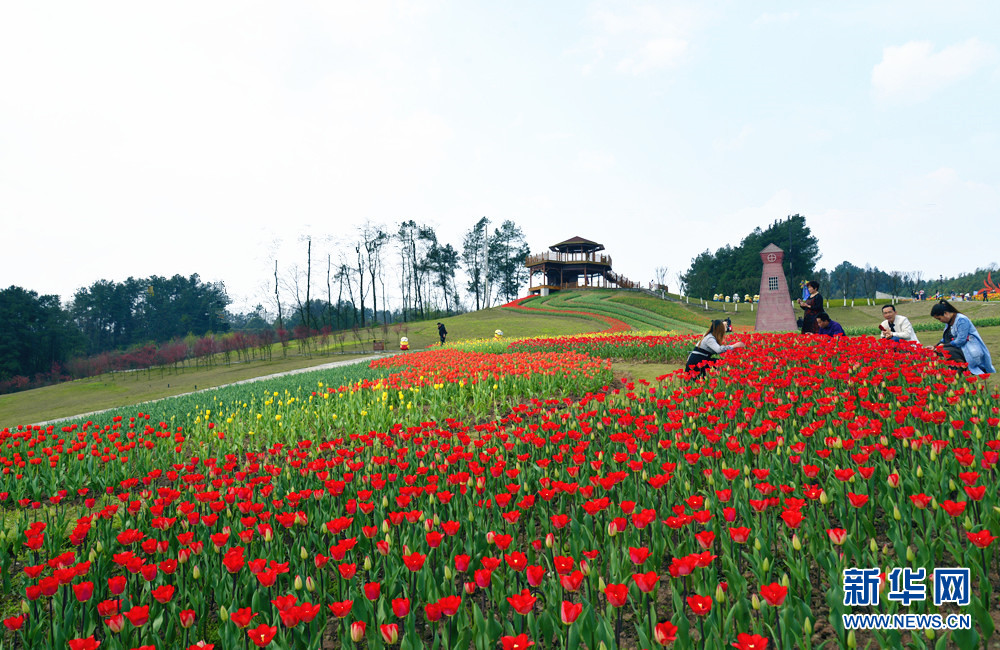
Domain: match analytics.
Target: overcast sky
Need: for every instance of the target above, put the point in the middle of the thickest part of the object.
(141, 138)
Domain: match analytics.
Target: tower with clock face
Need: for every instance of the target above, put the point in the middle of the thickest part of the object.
(774, 310)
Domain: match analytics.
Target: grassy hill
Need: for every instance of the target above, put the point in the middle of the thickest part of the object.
(640, 311)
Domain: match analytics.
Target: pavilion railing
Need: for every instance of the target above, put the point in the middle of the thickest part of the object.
(548, 256)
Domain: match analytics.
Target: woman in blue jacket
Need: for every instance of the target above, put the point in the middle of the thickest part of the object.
(960, 341)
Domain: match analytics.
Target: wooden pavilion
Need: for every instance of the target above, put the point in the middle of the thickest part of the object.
(576, 263)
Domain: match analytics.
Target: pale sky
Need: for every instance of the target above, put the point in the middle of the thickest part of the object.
(141, 138)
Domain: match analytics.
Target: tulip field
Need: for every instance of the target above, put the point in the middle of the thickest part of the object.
(514, 494)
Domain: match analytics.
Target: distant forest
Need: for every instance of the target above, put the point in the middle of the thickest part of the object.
(736, 269)
(125, 325)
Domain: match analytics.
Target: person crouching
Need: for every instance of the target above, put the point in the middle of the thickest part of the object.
(711, 344)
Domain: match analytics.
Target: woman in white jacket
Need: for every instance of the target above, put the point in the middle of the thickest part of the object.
(711, 345)
(896, 326)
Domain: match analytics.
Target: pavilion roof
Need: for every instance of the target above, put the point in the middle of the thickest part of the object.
(577, 243)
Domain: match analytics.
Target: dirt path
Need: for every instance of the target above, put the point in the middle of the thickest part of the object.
(298, 371)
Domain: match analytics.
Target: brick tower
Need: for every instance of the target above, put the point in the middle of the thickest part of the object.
(774, 311)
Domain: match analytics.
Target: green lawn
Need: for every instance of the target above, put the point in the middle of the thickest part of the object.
(642, 311)
(123, 389)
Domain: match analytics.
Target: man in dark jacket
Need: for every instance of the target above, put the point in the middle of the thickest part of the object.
(828, 327)
(442, 332)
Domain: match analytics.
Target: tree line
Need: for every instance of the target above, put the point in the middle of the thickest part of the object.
(408, 261)
(160, 321)
(736, 269)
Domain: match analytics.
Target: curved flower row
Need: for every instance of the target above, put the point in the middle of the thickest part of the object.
(614, 324)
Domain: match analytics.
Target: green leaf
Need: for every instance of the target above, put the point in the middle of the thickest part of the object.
(984, 619)
(964, 638)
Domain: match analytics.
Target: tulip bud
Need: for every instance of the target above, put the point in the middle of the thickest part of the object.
(872, 546)
(920, 471)
(385, 502)
(550, 540)
(268, 535)
(896, 514)
(303, 553)
(385, 527)
(796, 544)
(823, 498)
(766, 564)
(755, 603)
(310, 584)
(720, 594)
(929, 633)
(951, 485)
(910, 555)
(196, 573)
(100, 546)
(368, 563)
(967, 524)
(756, 544)
(92, 555)
(852, 640)
(784, 580)
(448, 575)
(223, 614)
(24, 607)
(612, 529)
(601, 585)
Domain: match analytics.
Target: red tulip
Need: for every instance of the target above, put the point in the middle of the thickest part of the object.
(519, 642)
(138, 616)
(115, 623)
(83, 591)
(14, 623)
(646, 581)
(433, 612)
(837, 535)
(400, 607)
(372, 590)
(357, 631)
(750, 642)
(241, 617)
(187, 618)
(773, 593)
(390, 633)
(414, 561)
(572, 581)
(88, 643)
(523, 602)
(569, 612)
(449, 605)
(665, 633)
(163, 594)
(638, 555)
(700, 605)
(857, 500)
(342, 608)
(981, 539)
(739, 535)
(261, 635)
(535, 575)
(617, 595)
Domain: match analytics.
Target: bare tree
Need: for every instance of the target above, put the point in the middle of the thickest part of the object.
(373, 239)
(868, 282)
(277, 297)
(660, 274)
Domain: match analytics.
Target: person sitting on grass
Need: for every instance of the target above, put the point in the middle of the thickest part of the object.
(711, 344)
(961, 341)
(896, 326)
(828, 327)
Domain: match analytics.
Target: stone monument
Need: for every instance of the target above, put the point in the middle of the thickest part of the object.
(774, 310)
